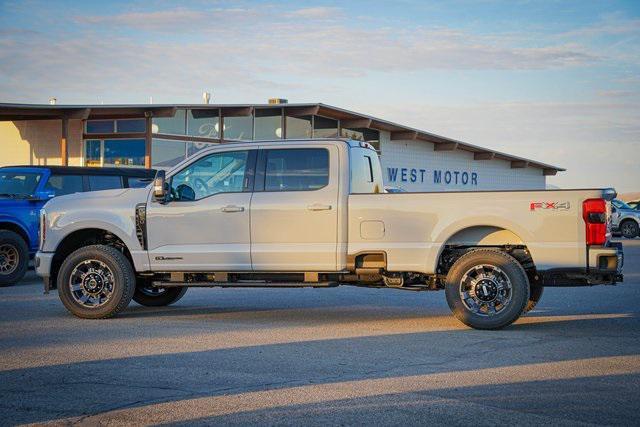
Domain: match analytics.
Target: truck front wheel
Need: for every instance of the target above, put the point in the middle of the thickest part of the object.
(151, 296)
(487, 289)
(14, 257)
(96, 282)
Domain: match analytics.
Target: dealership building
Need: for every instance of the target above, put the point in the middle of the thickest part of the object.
(160, 136)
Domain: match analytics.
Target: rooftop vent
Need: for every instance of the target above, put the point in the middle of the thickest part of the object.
(278, 101)
(53, 101)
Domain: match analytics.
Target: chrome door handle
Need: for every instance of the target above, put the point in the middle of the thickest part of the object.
(232, 208)
(319, 207)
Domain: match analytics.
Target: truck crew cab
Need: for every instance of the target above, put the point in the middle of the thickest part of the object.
(313, 213)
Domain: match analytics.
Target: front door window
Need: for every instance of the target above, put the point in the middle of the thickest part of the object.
(217, 173)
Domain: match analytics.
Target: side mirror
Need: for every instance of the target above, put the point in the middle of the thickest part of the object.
(43, 195)
(160, 186)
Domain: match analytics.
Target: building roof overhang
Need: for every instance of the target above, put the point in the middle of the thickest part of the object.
(349, 119)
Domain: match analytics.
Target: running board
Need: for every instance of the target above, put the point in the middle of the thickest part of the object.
(245, 284)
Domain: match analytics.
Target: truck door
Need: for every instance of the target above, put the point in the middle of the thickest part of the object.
(205, 224)
(294, 209)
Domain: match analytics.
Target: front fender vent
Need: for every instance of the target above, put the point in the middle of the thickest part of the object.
(141, 224)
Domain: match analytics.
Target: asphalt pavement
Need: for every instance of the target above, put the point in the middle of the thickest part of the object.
(323, 356)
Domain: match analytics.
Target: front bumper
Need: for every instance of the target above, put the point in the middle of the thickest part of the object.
(42, 262)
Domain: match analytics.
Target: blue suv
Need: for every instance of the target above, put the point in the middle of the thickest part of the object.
(25, 189)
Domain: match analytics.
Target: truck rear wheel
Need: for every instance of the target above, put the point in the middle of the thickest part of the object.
(487, 289)
(14, 257)
(152, 296)
(535, 293)
(629, 228)
(96, 282)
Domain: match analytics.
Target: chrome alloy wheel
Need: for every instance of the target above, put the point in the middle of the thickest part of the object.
(9, 259)
(485, 290)
(91, 283)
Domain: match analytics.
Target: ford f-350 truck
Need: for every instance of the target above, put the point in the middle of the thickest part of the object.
(314, 213)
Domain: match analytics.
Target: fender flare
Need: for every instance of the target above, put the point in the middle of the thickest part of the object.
(494, 231)
(24, 231)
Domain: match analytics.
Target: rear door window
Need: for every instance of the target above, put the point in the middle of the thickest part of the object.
(104, 182)
(298, 169)
(65, 184)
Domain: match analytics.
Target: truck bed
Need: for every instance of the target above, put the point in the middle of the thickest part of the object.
(413, 228)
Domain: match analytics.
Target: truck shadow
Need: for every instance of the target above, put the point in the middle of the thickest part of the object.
(68, 390)
(531, 402)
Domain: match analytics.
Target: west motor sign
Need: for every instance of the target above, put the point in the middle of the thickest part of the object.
(435, 176)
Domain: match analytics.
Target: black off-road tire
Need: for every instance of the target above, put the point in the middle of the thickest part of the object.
(629, 229)
(512, 310)
(157, 297)
(535, 293)
(14, 242)
(124, 281)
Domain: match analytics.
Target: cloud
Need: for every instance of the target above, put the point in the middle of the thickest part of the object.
(90, 60)
(610, 25)
(246, 54)
(309, 36)
(321, 12)
(172, 20)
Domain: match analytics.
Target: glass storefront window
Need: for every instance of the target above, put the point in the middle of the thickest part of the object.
(166, 153)
(131, 125)
(176, 125)
(92, 152)
(203, 123)
(299, 127)
(268, 123)
(324, 127)
(238, 127)
(124, 152)
(100, 126)
(194, 147)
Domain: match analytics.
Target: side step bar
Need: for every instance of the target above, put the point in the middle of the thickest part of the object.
(245, 284)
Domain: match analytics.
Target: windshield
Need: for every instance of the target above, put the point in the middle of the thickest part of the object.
(18, 184)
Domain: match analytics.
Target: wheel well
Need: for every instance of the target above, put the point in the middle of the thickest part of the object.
(451, 253)
(16, 229)
(81, 238)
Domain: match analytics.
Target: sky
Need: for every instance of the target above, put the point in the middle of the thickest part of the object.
(554, 81)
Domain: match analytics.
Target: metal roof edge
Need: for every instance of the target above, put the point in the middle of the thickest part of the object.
(382, 123)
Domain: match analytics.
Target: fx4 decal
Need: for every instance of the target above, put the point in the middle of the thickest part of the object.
(558, 206)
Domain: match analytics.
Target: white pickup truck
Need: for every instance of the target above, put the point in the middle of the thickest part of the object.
(313, 213)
